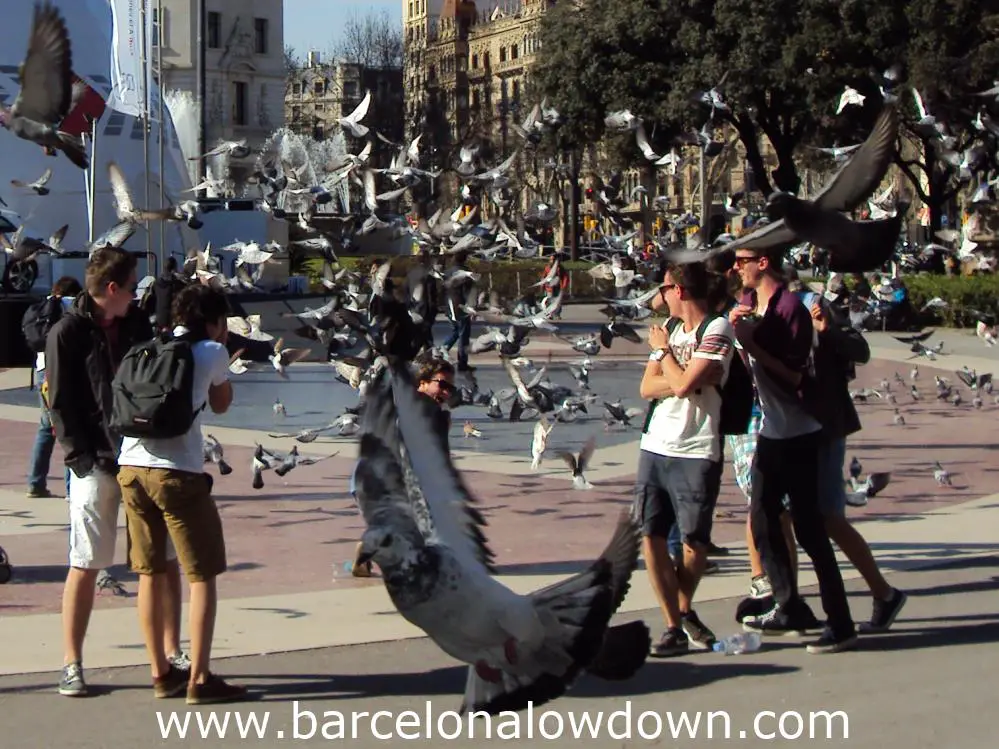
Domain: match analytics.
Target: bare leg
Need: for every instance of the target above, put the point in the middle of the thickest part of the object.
(662, 575)
(77, 603)
(152, 595)
(792, 546)
(856, 549)
(755, 563)
(690, 573)
(170, 594)
(204, 603)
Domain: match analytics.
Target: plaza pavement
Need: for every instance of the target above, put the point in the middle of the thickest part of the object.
(287, 589)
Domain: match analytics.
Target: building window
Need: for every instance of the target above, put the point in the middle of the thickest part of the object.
(320, 107)
(320, 87)
(260, 36)
(485, 60)
(475, 62)
(296, 113)
(318, 132)
(502, 54)
(350, 90)
(157, 28)
(516, 90)
(214, 30)
(296, 89)
(513, 52)
(239, 103)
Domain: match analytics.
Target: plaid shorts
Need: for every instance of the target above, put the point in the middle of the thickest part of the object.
(743, 448)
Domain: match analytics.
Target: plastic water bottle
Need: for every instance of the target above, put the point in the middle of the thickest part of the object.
(739, 643)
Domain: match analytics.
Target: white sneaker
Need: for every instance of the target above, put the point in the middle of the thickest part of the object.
(760, 587)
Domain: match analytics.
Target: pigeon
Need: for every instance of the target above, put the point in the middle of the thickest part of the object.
(282, 358)
(106, 582)
(855, 468)
(438, 570)
(213, 453)
(540, 442)
(898, 419)
(39, 185)
(470, 430)
(578, 464)
(853, 246)
(615, 413)
(867, 489)
(941, 475)
(279, 409)
(46, 94)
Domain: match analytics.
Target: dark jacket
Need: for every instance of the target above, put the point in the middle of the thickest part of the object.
(457, 295)
(840, 348)
(159, 301)
(80, 365)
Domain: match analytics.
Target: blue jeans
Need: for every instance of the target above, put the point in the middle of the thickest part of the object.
(41, 453)
(461, 333)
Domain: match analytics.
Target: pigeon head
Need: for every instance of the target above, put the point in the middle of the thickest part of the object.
(389, 548)
(778, 204)
(4, 115)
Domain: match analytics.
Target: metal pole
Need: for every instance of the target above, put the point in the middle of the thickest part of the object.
(705, 219)
(144, 42)
(93, 179)
(162, 129)
(202, 94)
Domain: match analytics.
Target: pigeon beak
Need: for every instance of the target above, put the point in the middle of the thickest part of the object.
(364, 557)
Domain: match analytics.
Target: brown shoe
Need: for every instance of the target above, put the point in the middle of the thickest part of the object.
(214, 691)
(171, 684)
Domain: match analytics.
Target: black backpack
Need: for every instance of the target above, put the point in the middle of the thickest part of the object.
(153, 390)
(38, 321)
(738, 393)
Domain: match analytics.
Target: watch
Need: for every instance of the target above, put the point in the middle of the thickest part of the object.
(658, 355)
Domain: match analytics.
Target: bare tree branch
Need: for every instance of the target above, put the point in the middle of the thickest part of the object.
(373, 41)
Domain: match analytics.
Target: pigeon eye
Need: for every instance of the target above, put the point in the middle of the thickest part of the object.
(387, 541)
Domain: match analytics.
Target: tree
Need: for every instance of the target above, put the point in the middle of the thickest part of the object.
(373, 41)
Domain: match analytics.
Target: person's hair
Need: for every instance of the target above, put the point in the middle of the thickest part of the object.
(430, 368)
(693, 277)
(197, 305)
(171, 264)
(108, 265)
(66, 286)
(721, 263)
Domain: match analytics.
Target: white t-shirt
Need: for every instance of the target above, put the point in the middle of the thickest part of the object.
(211, 367)
(688, 427)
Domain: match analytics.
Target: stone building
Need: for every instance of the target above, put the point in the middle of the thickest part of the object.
(244, 66)
(319, 94)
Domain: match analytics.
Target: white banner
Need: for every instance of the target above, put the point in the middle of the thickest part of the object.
(127, 77)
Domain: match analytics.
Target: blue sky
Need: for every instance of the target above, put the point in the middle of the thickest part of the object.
(316, 24)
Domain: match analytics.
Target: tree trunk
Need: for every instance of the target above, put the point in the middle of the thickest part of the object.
(786, 174)
(574, 205)
(751, 142)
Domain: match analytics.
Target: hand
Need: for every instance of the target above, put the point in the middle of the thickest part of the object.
(739, 311)
(658, 337)
(744, 332)
(819, 320)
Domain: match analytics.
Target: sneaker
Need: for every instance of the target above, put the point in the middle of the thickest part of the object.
(673, 642)
(884, 613)
(40, 494)
(717, 551)
(760, 587)
(711, 568)
(776, 622)
(830, 642)
(180, 661)
(72, 683)
(700, 637)
(172, 683)
(214, 691)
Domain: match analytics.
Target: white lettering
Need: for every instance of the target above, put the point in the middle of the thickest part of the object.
(783, 731)
(728, 724)
(641, 725)
(513, 722)
(457, 723)
(374, 725)
(829, 723)
(338, 724)
(756, 725)
(586, 722)
(412, 721)
(172, 721)
(471, 724)
(674, 728)
(541, 724)
(353, 723)
(296, 715)
(626, 714)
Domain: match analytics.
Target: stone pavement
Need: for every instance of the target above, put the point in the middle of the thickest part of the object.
(287, 591)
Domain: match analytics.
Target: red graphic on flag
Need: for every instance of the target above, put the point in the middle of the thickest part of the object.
(89, 107)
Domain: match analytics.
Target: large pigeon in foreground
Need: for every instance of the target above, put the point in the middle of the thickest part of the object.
(47, 92)
(426, 536)
(854, 246)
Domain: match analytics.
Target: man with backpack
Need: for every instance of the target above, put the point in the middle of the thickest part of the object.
(680, 465)
(158, 302)
(37, 322)
(82, 353)
(159, 393)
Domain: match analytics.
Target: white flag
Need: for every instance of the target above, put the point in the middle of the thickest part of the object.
(127, 77)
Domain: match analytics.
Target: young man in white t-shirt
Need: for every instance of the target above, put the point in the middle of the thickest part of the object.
(167, 494)
(680, 464)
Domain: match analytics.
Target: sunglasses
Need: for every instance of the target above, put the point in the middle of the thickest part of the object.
(444, 385)
(741, 261)
(664, 288)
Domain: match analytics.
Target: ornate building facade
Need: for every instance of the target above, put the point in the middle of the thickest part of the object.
(244, 66)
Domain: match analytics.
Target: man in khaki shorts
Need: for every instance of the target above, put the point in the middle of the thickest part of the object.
(167, 496)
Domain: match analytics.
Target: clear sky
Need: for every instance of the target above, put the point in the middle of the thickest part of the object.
(316, 24)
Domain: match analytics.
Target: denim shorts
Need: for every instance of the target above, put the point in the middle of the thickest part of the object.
(680, 490)
(832, 487)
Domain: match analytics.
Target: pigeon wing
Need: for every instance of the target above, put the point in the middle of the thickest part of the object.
(457, 523)
(47, 72)
(877, 482)
(586, 454)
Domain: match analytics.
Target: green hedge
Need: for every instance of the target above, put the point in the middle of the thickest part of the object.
(962, 294)
(501, 276)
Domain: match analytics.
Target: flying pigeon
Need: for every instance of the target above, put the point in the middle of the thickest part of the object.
(540, 442)
(213, 453)
(426, 537)
(579, 464)
(46, 94)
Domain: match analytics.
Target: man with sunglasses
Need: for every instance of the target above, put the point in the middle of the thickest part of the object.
(776, 333)
(82, 353)
(680, 464)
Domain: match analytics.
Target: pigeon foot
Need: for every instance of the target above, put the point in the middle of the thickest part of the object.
(487, 673)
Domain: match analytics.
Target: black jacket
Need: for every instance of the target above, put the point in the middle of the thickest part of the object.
(840, 349)
(159, 301)
(80, 366)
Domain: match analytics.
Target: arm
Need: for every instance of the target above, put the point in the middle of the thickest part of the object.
(706, 366)
(848, 343)
(772, 364)
(63, 361)
(654, 385)
(220, 389)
